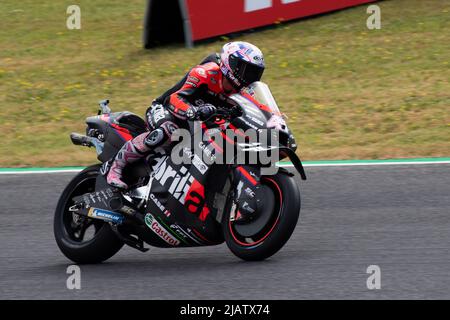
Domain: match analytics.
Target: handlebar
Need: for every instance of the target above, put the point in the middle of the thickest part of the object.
(206, 112)
(230, 112)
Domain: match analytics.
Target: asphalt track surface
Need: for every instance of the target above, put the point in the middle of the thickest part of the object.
(396, 217)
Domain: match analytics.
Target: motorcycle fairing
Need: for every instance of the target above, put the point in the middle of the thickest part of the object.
(180, 198)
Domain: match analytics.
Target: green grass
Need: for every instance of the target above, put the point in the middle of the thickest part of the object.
(349, 92)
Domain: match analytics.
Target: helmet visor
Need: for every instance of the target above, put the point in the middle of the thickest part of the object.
(245, 71)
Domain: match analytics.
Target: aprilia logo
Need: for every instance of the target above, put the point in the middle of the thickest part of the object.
(186, 189)
(179, 185)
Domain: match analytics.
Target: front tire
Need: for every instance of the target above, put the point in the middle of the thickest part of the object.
(278, 228)
(70, 229)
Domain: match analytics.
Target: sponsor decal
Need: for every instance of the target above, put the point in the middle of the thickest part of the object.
(192, 84)
(98, 197)
(251, 125)
(178, 231)
(249, 192)
(157, 228)
(258, 58)
(207, 151)
(193, 79)
(186, 234)
(158, 114)
(212, 131)
(160, 205)
(201, 72)
(105, 215)
(199, 164)
(196, 161)
(254, 119)
(245, 206)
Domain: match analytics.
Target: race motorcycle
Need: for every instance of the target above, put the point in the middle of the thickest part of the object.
(179, 205)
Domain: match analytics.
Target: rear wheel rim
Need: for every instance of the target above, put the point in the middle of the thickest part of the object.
(76, 226)
(269, 227)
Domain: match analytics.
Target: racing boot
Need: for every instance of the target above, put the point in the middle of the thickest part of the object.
(132, 151)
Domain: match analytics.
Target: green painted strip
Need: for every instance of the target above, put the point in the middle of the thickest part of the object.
(283, 163)
(40, 169)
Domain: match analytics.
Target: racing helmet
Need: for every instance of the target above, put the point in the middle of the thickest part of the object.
(241, 63)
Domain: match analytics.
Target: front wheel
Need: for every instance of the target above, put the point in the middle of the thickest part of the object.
(277, 219)
(81, 239)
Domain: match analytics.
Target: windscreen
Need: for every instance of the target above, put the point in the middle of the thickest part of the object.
(261, 92)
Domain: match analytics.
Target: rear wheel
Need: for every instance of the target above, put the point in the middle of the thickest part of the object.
(81, 239)
(277, 218)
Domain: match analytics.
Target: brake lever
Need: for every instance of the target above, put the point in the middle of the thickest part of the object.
(229, 113)
(237, 111)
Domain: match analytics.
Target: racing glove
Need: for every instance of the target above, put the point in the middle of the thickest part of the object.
(203, 112)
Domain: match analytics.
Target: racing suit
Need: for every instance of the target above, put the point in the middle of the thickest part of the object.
(201, 86)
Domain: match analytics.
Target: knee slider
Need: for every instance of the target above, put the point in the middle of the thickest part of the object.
(155, 138)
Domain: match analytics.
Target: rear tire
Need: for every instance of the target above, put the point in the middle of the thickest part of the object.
(104, 243)
(279, 228)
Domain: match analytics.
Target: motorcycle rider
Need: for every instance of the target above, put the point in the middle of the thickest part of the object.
(194, 98)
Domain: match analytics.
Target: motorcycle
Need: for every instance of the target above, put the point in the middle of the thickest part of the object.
(170, 204)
